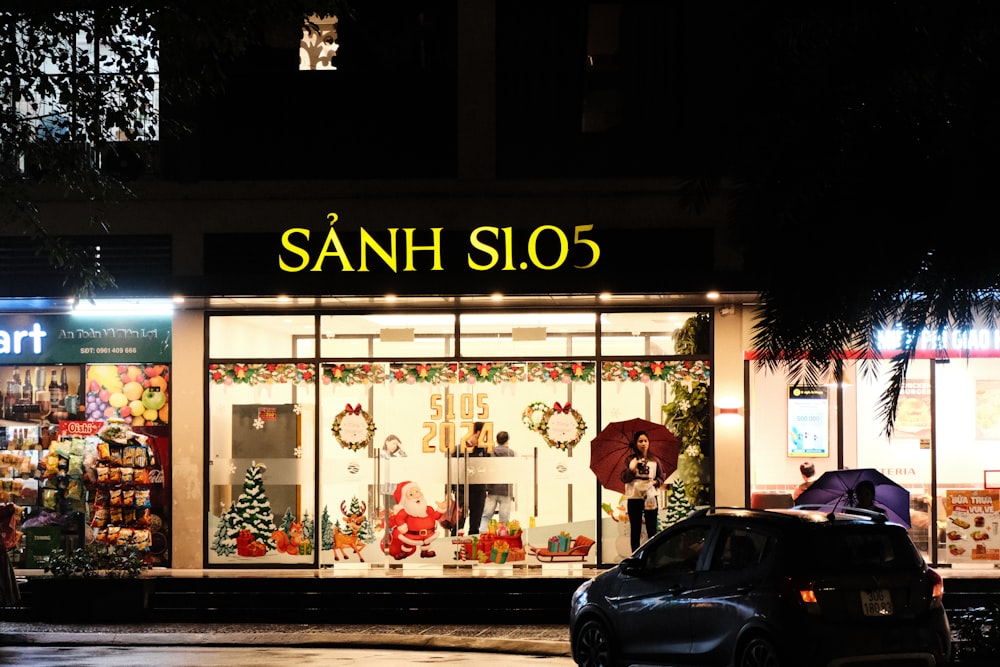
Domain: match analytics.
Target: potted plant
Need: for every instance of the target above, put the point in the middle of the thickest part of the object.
(98, 582)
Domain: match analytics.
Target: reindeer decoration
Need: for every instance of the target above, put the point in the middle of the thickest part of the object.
(350, 538)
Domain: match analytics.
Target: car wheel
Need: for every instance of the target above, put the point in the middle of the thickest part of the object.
(594, 646)
(759, 652)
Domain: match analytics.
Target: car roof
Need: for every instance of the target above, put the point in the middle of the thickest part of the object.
(797, 515)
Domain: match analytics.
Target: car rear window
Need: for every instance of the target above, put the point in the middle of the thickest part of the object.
(857, 548)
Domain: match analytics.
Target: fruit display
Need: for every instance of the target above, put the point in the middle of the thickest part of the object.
(135, 393)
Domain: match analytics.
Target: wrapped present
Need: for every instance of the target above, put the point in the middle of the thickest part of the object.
(501, 530)
(554, 543)
(492, 527)
(514, 527)
(516, 554)
(564, 540)
(486, 541)
(502, 550)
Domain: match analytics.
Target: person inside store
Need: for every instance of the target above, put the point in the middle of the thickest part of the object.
(477, 492)
(498, 496)
(808, 471)
(864, 496)
(392, 448)
(10, 595)
(454, 519)
(643, 476)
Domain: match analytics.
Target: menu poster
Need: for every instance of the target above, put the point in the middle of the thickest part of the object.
(913, 414)
(987, 410)
(808, 421)
(972, 532)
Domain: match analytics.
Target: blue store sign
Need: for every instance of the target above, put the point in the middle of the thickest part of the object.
(28, 338)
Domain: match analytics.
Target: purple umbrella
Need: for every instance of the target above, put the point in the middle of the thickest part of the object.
(834, 490)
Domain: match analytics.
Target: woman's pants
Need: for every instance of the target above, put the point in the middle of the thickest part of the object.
(637, 514)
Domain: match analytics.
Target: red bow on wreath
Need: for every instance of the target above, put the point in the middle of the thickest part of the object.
(565, 409)
(356, 410)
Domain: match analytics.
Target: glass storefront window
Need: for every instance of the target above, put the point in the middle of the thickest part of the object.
(249, 336)
(261, 464)
(388, 407)
(381, 335)
(525, 335)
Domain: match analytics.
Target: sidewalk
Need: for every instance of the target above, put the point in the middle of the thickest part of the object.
(542, 640)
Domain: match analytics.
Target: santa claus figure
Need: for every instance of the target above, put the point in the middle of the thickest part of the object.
(414, 523)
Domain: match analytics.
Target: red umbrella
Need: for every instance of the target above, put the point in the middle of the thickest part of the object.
(611, 450)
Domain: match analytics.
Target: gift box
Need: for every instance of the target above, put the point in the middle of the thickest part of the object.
(486, 541)
(563, 543)
(554, 544)
(516, 554)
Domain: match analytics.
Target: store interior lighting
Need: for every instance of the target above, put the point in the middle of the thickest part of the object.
(119, 307)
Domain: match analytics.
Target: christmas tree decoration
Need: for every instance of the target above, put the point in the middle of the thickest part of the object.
(678, 505)
(327, 530)
(224, 542)
(253, 507)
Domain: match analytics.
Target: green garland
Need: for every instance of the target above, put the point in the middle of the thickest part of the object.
(252, 374)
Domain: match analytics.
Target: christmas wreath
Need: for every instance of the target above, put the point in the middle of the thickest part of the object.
(562, 426)
(353, 428)
(533, 415)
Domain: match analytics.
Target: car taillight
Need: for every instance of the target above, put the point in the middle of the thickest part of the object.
(802, 592)
(936, 584)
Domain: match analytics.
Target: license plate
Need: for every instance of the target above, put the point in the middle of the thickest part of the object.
(876, 603)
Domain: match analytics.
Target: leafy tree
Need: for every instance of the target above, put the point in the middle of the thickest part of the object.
(79, 82)
(867, 146)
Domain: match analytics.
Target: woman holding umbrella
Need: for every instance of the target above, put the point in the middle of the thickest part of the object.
(643, 476)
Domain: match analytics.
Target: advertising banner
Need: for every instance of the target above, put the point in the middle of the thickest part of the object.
(808, 421)
(972, 533)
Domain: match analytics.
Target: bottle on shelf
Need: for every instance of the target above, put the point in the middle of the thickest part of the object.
(63, 388)
(39, 378)
(55, 392)
(27, 390)
(13, 391)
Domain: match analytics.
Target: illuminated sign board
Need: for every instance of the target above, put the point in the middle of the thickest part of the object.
(28, 338)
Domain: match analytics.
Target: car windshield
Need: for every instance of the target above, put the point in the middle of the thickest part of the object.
(857, 548)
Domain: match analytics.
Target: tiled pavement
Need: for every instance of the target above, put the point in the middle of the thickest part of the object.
(518, 639)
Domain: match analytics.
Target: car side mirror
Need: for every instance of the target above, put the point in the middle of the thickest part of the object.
(631, 566)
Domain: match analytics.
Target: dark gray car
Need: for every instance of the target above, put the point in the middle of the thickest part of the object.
(771, 588)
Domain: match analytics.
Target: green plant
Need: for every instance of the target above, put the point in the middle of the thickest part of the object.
(687, 414)
(97, 560)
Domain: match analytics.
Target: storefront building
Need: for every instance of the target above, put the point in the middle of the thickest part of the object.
(942, 449)
(500, 253)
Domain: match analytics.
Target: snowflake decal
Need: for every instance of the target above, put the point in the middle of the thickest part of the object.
(297, 452)
(297, 408)
(232, 468)
(258, 423)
